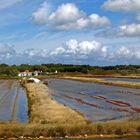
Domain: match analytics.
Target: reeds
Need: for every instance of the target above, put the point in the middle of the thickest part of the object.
(107, 129)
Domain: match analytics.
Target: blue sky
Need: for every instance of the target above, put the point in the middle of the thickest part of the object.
(95, 32)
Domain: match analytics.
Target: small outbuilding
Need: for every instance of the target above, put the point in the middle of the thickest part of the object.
(37, 73)
(34, 80)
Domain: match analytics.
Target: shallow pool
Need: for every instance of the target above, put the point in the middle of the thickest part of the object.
(122, 79)
(13, 102)
(97, 102)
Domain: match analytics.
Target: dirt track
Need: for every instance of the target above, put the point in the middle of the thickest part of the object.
(43, 109)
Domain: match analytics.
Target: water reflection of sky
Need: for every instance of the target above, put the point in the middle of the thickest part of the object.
(122, 79)
(13, 102)
(96, 101)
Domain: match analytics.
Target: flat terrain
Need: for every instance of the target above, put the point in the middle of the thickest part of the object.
(43, 109)
(49, 118)
(103, 81)
(13, 107)
(97, 102)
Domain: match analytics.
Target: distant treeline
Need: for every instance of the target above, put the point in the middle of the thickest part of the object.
(13, 70)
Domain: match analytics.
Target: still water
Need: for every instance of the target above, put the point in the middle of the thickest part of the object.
(13, 102)
(122, 79)
(95, 101)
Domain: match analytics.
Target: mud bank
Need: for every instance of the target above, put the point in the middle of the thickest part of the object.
(106, 82)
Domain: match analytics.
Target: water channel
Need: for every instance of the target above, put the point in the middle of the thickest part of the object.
(13, 102)
(123, 79)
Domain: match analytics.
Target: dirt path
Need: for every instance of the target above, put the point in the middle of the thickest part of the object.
(45, 110)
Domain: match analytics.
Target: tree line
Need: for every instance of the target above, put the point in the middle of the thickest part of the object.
(13, 70)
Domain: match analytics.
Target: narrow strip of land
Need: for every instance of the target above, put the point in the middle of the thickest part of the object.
(43, 109)
(106, 82)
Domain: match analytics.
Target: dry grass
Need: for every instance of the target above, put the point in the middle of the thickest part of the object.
(45, 110)
(107, 129)
(106, 82)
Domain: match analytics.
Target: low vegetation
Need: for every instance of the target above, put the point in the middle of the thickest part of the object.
(123, 128)
(118, 70)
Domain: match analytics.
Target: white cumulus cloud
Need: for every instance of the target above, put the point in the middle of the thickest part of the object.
(65, 14)
(41, 15)
(124, 52)
(57, 51)
(122, 5)
(130, 30)
(73, 51)
(73, 47)
(68, 16)
(97, 20)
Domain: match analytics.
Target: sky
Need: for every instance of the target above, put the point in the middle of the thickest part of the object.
(94, 32)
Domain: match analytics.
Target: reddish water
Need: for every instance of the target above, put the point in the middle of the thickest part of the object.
(95, 101)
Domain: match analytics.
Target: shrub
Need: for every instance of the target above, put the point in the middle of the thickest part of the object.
(119, 131)
(36, 132)
(60, 131)
(99, 129)
(73, 131)
(51, 132)
(109, 131)
(138, 129)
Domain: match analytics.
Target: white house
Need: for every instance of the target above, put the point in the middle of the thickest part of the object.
(25, 73)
